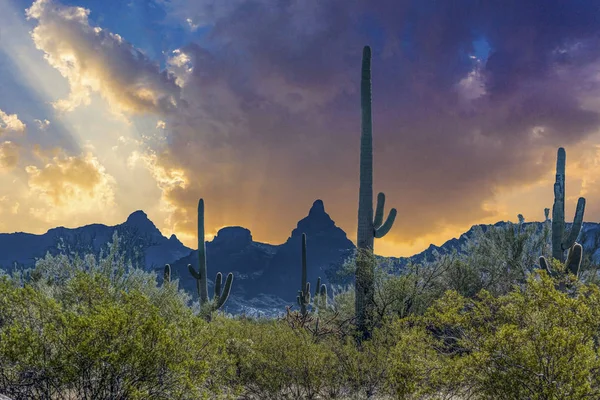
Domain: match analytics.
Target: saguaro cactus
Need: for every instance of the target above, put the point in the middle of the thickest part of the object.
(304, 294)
(320, 294)
(303, 297)
(220, 296)
(561, 240)
(167, 274)
(368, 228)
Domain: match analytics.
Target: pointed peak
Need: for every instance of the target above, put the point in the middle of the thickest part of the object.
(317, 220)
(174, 240)
(140, 220)
(317, 208)
(138, 215)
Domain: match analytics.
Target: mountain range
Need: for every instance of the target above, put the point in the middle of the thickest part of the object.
(266, 276)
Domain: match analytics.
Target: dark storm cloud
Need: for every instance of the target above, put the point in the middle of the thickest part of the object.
(274, 97)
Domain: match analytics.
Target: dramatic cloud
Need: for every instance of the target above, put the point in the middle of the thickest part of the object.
(93, 59)
(72, 183)
(276, 86)
(260, 109)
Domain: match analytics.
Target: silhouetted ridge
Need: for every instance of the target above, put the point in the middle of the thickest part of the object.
(318, 222)
(327, 244)
(233, 236)
(139, 219)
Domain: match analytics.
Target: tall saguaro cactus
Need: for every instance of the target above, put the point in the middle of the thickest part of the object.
(304, 294)
(562, 240)
(369, 228)
(220, 296)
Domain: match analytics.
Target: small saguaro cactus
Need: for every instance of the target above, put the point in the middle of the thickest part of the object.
(562, 240)
(167, 274)
(320, 295)
(220, 296)
(369, 228)
(303, 297)
(521, 222)
(571, 266)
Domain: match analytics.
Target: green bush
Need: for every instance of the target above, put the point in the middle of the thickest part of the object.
(533, 343)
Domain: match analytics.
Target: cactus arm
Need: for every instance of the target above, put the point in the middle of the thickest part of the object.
(226, 291)
(323, 296)
(218, 282)
(574, 259)
(194, 273)
(379, 210)
(385, 228)
(324, 290)
(544, 265)
(317, 287)
(576, 227)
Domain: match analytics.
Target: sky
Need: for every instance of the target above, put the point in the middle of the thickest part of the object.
(108, 107)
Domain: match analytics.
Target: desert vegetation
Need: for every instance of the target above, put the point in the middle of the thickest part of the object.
(74, 328)
(516, 315)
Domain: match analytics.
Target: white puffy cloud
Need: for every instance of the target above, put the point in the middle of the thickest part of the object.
(10, 123)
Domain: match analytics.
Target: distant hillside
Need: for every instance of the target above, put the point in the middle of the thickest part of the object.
(145, 245)
(267, 276)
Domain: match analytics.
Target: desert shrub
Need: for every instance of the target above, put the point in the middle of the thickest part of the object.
(415, 367)
(96, 346)
(97, 328)
(498, 258)
(275, 361)
(533, 343)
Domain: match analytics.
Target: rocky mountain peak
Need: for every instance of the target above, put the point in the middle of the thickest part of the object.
(318, 223)
(233, 236)
(139, 219)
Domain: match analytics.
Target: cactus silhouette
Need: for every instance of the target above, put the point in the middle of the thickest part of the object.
(220, 296)
(320, 300)
(303, 297)
(369, 228)
(562, 240)
(167, 274)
